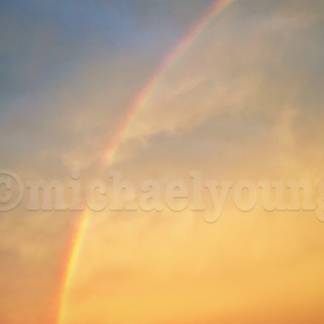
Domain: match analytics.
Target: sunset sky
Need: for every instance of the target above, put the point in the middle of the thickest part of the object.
(242, 100)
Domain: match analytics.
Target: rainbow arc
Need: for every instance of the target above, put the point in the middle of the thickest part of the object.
(80, 228)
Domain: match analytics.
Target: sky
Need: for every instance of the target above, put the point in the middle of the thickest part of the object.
(243, 101)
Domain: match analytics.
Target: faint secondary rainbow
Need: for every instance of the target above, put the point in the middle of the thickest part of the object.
(139, 102)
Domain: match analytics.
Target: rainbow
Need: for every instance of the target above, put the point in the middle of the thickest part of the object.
(70, 261)
(147, 92)
(80, 227)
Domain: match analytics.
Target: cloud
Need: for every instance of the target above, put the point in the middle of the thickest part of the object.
(240, 64)
(244, 101)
